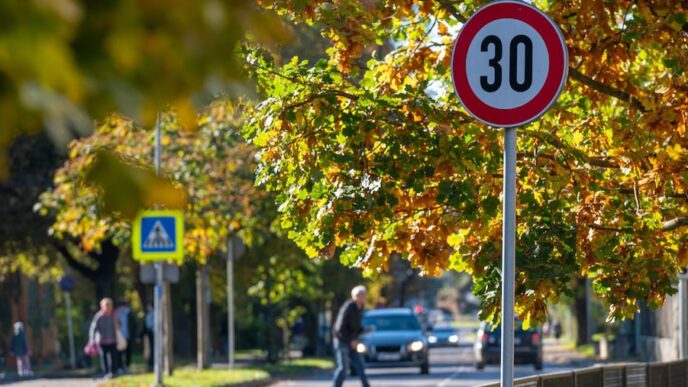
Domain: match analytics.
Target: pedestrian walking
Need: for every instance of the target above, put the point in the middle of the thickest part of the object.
(557, 329)
(148, 331)
(103, 332)
(347, 329)
(19, 348)
(125, 318)
(298, 336)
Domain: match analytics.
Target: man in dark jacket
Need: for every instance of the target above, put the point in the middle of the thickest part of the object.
(346, 330)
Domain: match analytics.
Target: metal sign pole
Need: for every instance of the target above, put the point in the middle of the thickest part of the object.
(508, 257)
(159, 281)
(683, 317)
(230, 301)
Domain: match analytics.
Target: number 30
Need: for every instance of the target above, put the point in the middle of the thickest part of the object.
(494, 62)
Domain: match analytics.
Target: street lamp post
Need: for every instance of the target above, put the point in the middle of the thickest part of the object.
(230, 301)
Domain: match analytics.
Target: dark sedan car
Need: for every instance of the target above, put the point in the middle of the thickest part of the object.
(395, 338)
(443, 336)
(527, 346)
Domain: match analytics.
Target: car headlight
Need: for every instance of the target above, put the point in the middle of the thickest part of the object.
(416, 346)
(453, 339)
(361, 348)
(432, 339)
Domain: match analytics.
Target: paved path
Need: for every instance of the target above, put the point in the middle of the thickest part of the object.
(73, 382)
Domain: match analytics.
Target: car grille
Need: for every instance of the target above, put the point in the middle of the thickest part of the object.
(388, 348)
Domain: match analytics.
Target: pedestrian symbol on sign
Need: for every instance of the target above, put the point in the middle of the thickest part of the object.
(157, 237)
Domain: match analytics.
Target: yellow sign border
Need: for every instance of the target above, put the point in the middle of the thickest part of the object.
(176, 255)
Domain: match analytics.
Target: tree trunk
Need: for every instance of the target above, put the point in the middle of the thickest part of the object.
(581, 312)
(105, 287)
(311, 329)
(285, 331)
(272, 354)
(142, 290)
(104, 275)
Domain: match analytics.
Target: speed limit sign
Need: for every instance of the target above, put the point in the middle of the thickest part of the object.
(509, 64)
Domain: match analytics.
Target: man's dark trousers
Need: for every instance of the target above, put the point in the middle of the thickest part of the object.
(345, 357)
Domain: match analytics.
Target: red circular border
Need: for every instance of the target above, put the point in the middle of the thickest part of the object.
(556, 74)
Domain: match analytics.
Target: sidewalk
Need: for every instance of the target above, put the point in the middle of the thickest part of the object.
(48, 377)
(86, 378)
(41, 382)
(558, 352)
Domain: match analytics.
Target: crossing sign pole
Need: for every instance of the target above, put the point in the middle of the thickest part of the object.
(509, 65)
(159, 279)
(158, 236)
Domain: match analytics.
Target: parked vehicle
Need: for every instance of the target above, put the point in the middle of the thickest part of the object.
(394, 338)
(443, 336)
(527, 346)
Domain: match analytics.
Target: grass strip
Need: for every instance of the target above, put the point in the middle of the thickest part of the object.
(219, 377)
(194, 378)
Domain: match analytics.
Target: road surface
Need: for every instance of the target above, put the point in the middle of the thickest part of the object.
(449, 367)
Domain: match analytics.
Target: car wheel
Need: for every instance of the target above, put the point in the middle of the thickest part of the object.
(425, 368)
(538, 365)
(480, 365)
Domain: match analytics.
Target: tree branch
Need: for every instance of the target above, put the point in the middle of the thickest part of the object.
(675, 223)
(629, 191)
(75, 264)
(605, 89)
(323, 94)
(450, 8)
(669, 225)
(604, 228)
(603, 162)
(595, 161)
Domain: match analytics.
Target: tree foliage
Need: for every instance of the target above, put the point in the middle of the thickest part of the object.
(212, 166)
(370, 150)
(65, 61)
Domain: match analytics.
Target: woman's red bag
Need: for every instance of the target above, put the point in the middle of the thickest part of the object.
(91, 349)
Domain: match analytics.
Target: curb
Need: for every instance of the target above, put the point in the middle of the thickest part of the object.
(255, 383)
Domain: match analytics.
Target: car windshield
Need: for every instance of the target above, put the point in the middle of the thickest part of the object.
(392, 323)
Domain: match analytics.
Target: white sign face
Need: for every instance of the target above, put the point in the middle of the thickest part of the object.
(509, 64)
(502, 68)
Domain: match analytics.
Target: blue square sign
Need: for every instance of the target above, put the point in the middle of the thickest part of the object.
(158, 235)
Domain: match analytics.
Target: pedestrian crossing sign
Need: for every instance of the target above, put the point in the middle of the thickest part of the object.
(158, 235)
